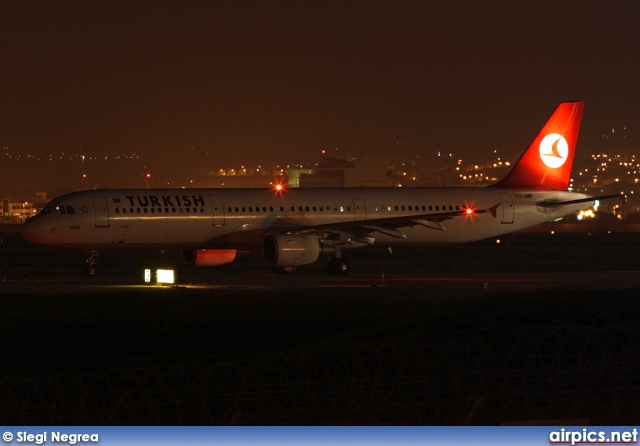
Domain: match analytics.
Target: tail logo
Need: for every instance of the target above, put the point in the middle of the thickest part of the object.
(554, 150)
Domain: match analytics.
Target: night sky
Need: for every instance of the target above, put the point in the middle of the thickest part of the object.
(251, 81)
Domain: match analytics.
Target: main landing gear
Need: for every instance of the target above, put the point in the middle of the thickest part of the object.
(338, 266)
(90, 265)
(284, 269)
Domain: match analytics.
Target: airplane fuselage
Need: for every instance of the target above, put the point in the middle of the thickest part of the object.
(240, 218)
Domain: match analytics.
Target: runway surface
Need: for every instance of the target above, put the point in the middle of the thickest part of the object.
(534, 328)
(468, 284)
(520, 263)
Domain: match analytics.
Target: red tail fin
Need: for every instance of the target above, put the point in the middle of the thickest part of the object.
(547, 162)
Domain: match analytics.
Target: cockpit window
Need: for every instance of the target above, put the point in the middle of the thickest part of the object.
(59, 210)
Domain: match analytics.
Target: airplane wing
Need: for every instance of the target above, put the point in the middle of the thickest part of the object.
(385, 225)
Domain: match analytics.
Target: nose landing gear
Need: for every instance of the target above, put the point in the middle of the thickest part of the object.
(91, 261)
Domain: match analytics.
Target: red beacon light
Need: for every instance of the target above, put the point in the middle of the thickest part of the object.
(278, 187)
(469, 211)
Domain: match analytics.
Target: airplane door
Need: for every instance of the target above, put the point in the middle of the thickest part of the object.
(359, 209)
(508, 209)
(101, 210)
(218, 210)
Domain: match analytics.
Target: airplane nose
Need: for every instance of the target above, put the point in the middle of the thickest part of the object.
(30, 230)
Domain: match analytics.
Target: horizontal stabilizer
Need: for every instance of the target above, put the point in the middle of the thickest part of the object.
(552, 204)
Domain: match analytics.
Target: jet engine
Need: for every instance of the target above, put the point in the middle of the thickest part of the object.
(208, 257)
(291, 249)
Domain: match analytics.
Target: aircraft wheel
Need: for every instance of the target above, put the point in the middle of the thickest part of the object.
(339, 267)
(284, 269)
(90, 270)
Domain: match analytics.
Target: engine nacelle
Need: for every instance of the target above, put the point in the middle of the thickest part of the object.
(291, 249)
(208, 257)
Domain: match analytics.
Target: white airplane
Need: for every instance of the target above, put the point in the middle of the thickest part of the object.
(294, 227)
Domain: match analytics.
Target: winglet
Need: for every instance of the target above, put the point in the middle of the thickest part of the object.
(546, 164)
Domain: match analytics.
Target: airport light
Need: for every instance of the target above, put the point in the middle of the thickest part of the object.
(163, 276)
